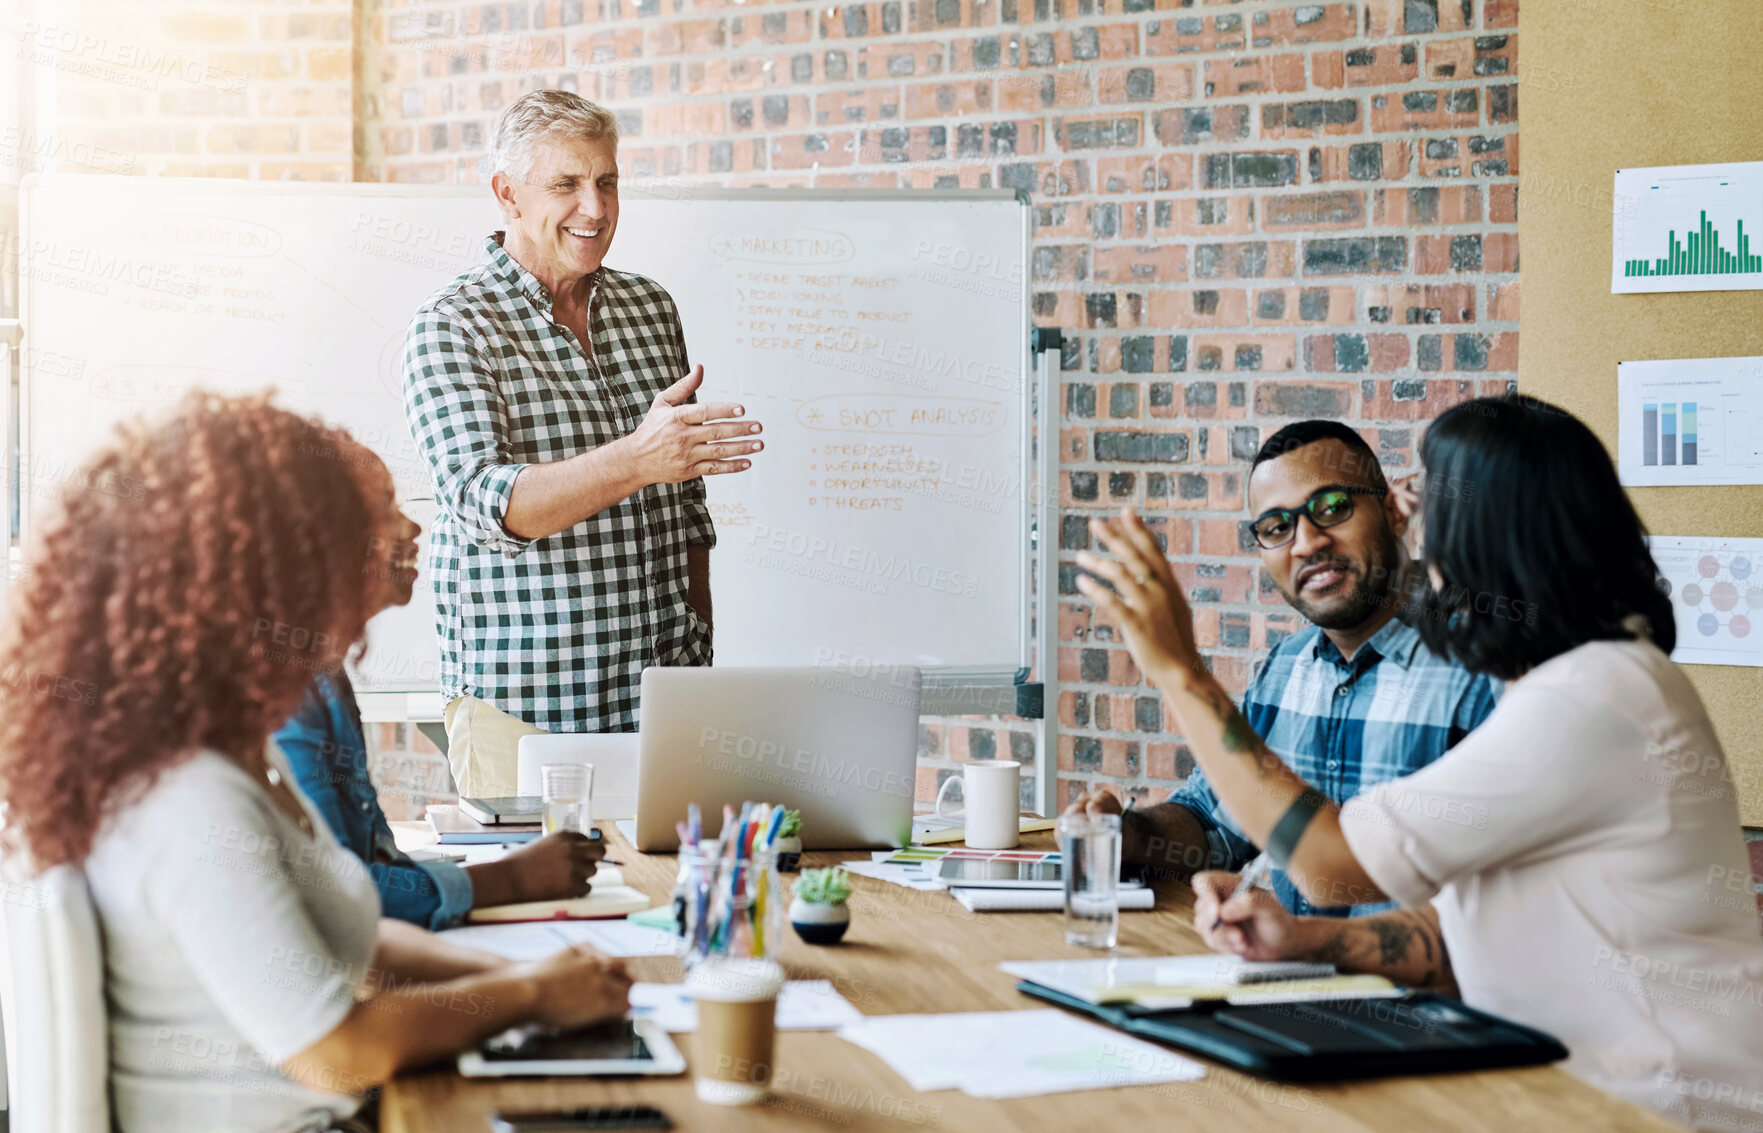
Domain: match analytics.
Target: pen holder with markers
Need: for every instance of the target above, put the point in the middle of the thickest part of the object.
(734, 906)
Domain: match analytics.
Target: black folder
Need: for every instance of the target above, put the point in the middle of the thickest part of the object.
(1330, 1039)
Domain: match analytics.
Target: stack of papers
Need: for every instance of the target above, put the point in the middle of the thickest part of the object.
(1176, 981)
(1014, 1054)
(804, 1005)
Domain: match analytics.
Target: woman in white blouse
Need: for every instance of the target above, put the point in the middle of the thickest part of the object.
(1576, 863)
(168, 621)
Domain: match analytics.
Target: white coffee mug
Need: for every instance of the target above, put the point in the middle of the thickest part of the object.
(991, 793)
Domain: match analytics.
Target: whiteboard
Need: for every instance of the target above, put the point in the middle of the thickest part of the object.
(882, 339)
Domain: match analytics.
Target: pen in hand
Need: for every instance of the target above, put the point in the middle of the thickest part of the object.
(1254, 874)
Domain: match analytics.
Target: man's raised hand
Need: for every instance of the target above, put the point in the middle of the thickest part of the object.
(681, 441)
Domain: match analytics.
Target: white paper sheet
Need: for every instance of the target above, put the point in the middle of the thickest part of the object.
(533, 940)
(1684, 421)
(912, 875)
(527, 940)
(804, 1005)
(1014, 1054)
(1716, 588)
(621, 938)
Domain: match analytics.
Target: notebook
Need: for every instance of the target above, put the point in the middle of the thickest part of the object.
(1164, 982)
(453, 828)
(527, 809)
(610, 897)
(934, 829)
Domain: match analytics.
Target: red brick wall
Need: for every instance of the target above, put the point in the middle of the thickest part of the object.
(1246, 213)
(185, 88)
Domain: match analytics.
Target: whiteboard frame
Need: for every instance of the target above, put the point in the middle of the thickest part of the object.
(951, 691)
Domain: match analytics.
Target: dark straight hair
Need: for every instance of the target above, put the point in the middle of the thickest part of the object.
(1539, 547)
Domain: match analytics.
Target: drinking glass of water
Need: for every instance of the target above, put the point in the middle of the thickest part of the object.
(566, 787)
(1090, 846)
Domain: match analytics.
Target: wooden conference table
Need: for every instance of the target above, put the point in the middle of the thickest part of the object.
(921, 952)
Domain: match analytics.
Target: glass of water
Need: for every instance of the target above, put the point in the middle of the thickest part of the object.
(567, 788)
(1090, 846)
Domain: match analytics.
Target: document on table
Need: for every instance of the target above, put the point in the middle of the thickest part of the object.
(1015, 1054)
(910, 875)
(804, 1005)
(533, 940)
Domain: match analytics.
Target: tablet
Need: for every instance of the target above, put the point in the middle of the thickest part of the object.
(1000, 873)
(621, 1047)
(1006, 873)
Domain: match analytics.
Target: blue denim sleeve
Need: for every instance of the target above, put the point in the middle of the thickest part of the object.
(306, 742)
(435, 895)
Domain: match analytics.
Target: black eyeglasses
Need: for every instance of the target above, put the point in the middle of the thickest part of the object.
(1326, 507)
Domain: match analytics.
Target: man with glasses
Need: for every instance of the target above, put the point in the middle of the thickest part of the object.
(1350, 701)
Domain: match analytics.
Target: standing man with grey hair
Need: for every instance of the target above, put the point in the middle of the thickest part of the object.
(552, 399)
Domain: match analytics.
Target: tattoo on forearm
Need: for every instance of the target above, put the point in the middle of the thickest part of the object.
(1238, 736)
(1334, 950)
(1386, 943)
(1393, 939)
(1424, 931)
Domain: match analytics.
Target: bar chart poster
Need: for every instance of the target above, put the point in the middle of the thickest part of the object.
(1716, 589)
(1688, 421)
(1688, 228)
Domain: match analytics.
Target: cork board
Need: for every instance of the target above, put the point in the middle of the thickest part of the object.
(1617, 84)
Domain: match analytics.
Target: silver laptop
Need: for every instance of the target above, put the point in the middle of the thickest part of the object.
(841, 747)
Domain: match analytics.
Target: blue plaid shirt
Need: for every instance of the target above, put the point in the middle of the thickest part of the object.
(1345, 726)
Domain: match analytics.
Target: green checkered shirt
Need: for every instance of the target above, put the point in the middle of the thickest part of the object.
(556, 631)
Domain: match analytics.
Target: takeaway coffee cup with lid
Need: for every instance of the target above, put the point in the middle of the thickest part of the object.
(737, 1013)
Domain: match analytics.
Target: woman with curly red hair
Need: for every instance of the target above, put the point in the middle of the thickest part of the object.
(169, 620)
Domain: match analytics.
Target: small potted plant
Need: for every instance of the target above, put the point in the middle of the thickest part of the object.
(818, 911)
(788, 846)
